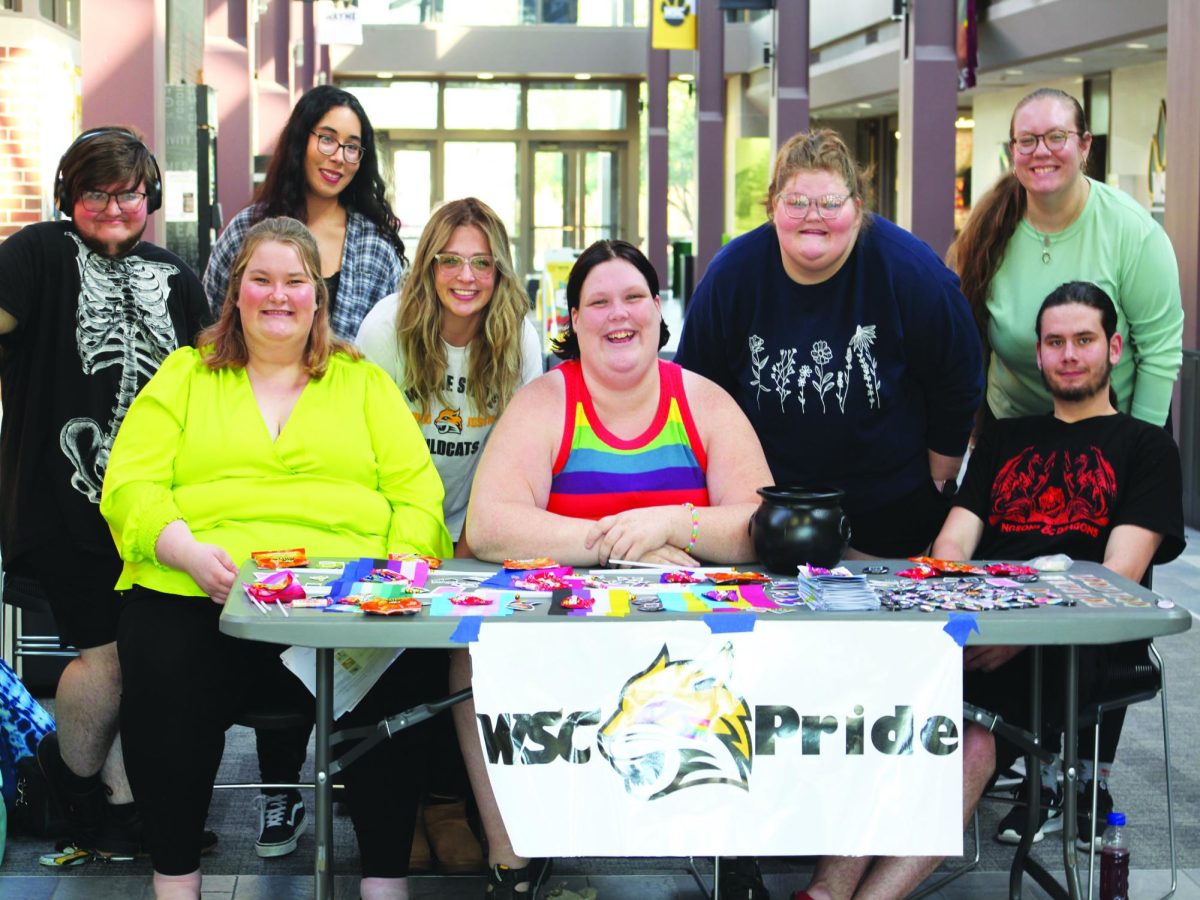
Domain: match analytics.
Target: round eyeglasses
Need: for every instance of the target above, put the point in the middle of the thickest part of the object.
(1054, 140)
(97, 201)
(328, 145)
(452, 263)
(828, 205)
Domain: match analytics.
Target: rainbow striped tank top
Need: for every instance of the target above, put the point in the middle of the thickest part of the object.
(598, 474)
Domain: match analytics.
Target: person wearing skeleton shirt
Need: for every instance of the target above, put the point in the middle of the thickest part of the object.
(88, 311)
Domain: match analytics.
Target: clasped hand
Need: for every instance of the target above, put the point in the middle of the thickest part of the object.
(638, 534)
(212, 568)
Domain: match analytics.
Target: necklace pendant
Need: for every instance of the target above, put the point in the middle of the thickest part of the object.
(1046, 257)
(1046, 249)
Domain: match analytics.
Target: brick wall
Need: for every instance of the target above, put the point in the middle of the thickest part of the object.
(39, 109)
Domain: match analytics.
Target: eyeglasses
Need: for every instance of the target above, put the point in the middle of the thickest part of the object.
(97, 201)
(828, 205)
(452, 263)
(328, 145)
(1054, 140)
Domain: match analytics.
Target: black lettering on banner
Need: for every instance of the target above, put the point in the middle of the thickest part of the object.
(497, 742)
(939, 735)
(855, 745)
(770, 723)
(894, 734)
(811, 729)
(536, 738)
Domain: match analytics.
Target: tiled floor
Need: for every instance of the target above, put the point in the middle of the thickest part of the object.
(101, 884)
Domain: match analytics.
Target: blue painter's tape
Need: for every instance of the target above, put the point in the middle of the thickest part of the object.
(959, 626)
(467, 630)
(728, 623)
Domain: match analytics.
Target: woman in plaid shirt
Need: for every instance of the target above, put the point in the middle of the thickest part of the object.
(325, 172)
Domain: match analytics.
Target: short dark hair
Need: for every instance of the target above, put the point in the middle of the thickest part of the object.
(566, 344)
(110, 154)
(1087, 294)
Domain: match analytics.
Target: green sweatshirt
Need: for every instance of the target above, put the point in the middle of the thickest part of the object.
(1114, 244)
(349, 474)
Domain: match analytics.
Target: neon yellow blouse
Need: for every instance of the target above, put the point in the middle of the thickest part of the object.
(349, 474)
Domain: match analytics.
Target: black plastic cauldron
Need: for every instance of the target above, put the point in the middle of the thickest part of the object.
(797, 525)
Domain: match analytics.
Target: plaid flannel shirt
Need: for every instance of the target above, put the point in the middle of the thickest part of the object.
(370, 269)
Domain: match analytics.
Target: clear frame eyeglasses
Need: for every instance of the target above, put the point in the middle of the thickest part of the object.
(452, 263)
(1054, 140)
(328, 145)
(97, 201)
(828, 205)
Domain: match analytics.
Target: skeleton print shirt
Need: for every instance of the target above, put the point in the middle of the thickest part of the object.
(850, 382)
(91, 331)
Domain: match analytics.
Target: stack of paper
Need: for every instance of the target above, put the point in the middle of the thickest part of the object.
(836, 590)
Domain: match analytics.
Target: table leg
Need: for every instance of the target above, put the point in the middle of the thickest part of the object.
(323, 873)
(1071, 770)
(1033, 776)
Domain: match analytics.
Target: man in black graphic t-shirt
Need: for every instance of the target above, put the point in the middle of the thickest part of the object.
(1086, 481)
(88, 311)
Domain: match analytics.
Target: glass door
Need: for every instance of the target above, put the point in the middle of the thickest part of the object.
(576, 196)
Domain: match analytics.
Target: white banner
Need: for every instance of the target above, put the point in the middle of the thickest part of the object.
(666, 739)
(339, 22)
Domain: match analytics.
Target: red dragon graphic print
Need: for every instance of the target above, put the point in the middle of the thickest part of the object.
(1055, 493)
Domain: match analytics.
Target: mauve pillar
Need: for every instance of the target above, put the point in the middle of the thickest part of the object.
(124, 60)
(710, 133)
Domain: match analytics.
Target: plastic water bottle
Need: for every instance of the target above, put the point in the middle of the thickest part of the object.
(1114, 860)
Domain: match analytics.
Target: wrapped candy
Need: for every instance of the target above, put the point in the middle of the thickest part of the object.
(391, 606)
(280, 559)
(278, 587)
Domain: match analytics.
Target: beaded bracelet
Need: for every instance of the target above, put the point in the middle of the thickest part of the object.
(691, 507)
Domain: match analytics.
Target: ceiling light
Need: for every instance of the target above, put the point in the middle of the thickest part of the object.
(686, 76)
(863, 105)
(1072, 59)
(1135, 45)
(1013, 72)
(583, 76)
(964, 122)
(385, 75)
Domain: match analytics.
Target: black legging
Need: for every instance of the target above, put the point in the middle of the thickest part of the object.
(185, 683)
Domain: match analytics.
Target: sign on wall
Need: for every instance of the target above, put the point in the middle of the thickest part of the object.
(667, 739)
(673, 24)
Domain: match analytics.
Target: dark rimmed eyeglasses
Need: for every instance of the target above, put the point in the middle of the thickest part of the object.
(97, 201)
(328, 145)
(1054, 140)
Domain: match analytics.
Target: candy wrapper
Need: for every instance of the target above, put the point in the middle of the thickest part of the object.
(278, 587)
(947, 566)
(920, 572)
(735, 577)
(541, 562)
(682, 576)
(432, 561)
(469, 600)
(542, 581)
(1009, 569)
(280, 559)
(577, 602)
(396, 606)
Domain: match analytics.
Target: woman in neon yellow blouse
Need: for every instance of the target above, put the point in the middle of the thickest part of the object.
(273, 434)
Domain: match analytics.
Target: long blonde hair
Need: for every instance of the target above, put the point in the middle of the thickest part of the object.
(226, 338)
(494, 368)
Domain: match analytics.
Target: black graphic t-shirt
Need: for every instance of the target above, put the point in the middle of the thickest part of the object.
(1042, 485)
(90, 332)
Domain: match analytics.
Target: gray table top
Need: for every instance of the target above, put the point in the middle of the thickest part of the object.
(1045, 625)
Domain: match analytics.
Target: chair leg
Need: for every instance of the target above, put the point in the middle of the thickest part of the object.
(1162, 674)
(1095, 798)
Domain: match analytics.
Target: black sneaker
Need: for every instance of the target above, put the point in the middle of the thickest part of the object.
(1012, 826)
(120, 836)
(740, 879)
(83, 810)
(1083, 818)
(280, 823)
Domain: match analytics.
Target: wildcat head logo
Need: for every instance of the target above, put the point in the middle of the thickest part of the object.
(449, 421)
(676, 11)
(679, 724)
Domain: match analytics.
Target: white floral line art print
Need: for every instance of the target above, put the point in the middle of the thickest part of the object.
(817, 377)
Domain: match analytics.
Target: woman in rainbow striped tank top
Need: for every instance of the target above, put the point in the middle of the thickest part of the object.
(614, 455)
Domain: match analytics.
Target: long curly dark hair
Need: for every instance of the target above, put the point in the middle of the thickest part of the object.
(284, 191)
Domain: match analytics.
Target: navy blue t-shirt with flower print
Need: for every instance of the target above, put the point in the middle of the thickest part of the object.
(848, 383)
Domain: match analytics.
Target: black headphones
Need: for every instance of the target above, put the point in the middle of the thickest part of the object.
(66, 203)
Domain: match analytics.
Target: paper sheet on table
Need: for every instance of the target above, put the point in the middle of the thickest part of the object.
(355, 671)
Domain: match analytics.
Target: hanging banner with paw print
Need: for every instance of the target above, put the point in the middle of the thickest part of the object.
(673, 24)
